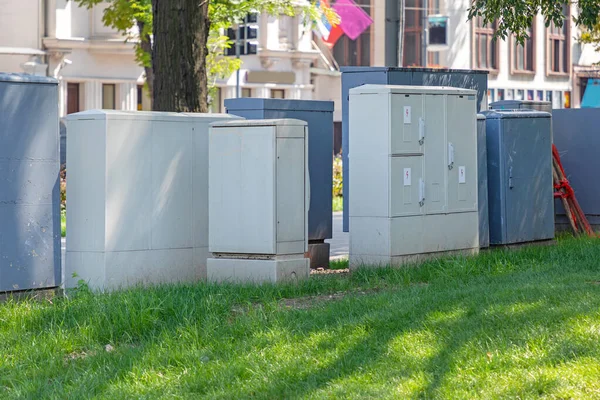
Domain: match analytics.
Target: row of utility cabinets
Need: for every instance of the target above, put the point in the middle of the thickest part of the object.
(138, 198)
(429, 175)
(167, 197)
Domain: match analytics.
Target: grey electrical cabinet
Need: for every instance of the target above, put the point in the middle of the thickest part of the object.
(259, 196)
(482, 191)
(521, 204)
(357, 76)
(29, 183)
(413, 173)
(319, 117)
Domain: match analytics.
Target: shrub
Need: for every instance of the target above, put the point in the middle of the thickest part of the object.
(337, 176)
(63, 187)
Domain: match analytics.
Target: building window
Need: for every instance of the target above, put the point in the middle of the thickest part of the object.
(357, 52)
(485, 53)
(567, 99)
(215, 101)
(520, 94)
(559, 45)
(413, 29)
(72, 98)
(277, 94)
(246, 92)
(523, 56)
(108, 96)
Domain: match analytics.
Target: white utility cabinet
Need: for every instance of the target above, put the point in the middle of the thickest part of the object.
(413, 173)
(258, 201)
(137, 197)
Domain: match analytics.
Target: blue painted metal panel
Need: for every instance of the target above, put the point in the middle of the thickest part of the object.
(577, 140)
(482, 185)
(357, 76)
(319, 117)
(29, 183)
(520, 193)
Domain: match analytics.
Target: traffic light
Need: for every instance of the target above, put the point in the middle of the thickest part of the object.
(245, 36)
(251, 48)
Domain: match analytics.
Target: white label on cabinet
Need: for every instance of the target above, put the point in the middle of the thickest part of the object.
(461, 175)
(407, 114)
(407, 174)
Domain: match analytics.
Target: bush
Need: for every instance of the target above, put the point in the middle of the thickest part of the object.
(63, 187)
(338, 182)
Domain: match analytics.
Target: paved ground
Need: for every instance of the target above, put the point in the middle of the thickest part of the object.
(339, 243)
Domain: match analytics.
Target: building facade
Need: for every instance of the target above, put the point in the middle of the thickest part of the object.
(551, 65)
(97, 69)
(96, 66)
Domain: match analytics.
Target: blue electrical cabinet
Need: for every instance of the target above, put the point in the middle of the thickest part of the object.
(29, 183)
(357, 76)
(538, 105)
(482, 185)
(577, 140)
(319, 117)
(520, 184)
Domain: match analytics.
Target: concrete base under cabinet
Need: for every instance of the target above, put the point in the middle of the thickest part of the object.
(121, 269)
(319, 254)
(357, 261)
(240, 270)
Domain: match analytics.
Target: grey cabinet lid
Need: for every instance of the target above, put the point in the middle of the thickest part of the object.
(97, 114)
(26, 78)
(517, 103)
(278, 104)
(260, 122)
(411, 89)
(516, 113)
(399, 69)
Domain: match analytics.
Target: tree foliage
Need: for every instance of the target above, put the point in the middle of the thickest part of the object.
(515, 16)
(124, 15)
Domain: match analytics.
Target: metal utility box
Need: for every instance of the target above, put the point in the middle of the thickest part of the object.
(319, 117)
(356, 76)
(538, 105)
(258, 201)
(137, 197)
(30, 255)
(482, 184)
(413, 173)
(63, 142)
(577, 140)
(520, 186)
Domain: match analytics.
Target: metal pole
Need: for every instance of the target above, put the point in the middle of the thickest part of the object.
(402, 15)
(424, 35)
(237, 55)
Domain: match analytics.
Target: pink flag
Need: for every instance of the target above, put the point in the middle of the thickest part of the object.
(354, 20)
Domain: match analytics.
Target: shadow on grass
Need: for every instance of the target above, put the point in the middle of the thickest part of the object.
(499, 314)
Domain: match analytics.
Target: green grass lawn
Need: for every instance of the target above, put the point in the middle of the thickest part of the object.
(505, 324)
(63, 223)
(338, 203)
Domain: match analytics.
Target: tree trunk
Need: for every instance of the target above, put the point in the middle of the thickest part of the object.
(179, 55)
(146, 46)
